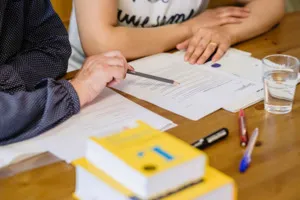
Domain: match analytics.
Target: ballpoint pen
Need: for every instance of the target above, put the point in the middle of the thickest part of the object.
(246, 160)
(243, 129)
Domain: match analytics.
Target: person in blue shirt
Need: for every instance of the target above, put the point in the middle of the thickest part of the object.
(34, 53)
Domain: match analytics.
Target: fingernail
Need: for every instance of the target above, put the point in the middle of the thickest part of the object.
(200, 62)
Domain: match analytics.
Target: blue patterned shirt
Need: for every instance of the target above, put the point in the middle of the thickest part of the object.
(34, 51)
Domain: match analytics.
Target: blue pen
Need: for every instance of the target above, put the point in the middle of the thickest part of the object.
(246, 160)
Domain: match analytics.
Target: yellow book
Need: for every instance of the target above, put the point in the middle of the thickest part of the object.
(147, 161)
(94, 184)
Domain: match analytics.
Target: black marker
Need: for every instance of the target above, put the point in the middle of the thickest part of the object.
(211, 139)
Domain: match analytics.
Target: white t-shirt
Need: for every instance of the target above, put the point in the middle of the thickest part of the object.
(140, 13)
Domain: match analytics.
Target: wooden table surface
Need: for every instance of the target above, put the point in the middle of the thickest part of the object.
(275, 170)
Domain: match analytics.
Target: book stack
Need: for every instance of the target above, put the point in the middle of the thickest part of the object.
(143, 163)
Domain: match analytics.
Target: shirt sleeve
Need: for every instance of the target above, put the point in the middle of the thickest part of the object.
(27, 114)
(46, 48)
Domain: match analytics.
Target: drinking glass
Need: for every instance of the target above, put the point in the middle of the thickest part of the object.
(280, 74)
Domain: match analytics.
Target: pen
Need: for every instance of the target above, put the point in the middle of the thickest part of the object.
(211, 139)
(152, 77)
(245, 162)
(243, 129)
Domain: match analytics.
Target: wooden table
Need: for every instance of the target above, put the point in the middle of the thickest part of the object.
(275, 170)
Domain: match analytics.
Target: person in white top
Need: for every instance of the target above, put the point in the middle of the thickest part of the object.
(139, 28)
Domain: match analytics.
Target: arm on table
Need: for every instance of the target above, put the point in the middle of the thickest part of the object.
(99, 32)
(46, 47)
(27, 114)
(264, 15)
(206, 41)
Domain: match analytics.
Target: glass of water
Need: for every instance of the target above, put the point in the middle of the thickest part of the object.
(280, 76)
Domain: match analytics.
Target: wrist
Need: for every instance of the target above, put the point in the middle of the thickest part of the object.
(231, 33)
(186, 28)
(80, 92)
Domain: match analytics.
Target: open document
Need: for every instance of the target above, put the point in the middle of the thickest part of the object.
(241, 64)
(109, 114)
(202, 90)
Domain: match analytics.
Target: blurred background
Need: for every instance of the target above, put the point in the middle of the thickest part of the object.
(293, 5)
(64, 7)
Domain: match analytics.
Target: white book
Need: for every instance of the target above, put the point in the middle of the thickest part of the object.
(93, 184)
(147, 161)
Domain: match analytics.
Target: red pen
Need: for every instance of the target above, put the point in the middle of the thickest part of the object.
(243, 130)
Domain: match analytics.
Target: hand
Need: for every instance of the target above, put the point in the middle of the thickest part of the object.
(98, 72)
(204, 43)
(218, 17)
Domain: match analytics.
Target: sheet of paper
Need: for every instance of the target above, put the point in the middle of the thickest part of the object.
(202, 89)
(110, 113)
(246, 67)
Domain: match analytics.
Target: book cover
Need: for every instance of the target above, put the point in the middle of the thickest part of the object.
(147, 150)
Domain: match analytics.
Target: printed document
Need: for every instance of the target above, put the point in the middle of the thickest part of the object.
(109, 114)
(202, 90)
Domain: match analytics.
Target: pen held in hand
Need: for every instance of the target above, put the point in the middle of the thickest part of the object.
(153, 77)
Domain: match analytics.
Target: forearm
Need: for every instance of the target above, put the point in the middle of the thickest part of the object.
(28, 114)
(264, 15)
(135, 42)
(48, 59)
(45, 47)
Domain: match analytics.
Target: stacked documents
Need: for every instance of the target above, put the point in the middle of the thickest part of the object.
(144, 163)
(234, 82)
(203, 89)
(108, 114)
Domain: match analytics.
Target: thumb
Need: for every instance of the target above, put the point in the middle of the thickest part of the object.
(183, 45)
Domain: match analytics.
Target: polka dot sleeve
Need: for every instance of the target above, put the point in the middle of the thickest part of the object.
(28, 114)
(35, 43)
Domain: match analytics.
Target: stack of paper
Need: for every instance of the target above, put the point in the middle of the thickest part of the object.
(144, 163)
(240, 64)
(110, 113)
(203, 89)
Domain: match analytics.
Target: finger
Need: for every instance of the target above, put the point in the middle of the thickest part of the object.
(113, 54)
(197, 53)
(211, 47)
(183, 45)
(220, 52)
(114, 61)
(191, 47)
(200, 49)
(118, 54)
(230, 20)
(118, 73)
(113, 83)
(245, 9)
(234, 12)
(131, 68)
